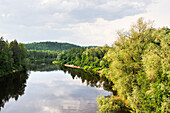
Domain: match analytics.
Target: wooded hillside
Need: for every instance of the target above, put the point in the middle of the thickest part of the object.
(52, 46)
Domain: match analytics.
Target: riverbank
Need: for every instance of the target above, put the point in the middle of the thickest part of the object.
(78, 67)
(73, 66)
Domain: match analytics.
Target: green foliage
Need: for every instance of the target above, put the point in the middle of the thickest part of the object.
(84, 57)
(86, 67)
(42, 56)
(56, 62)
(12, 57)
(109, 104)
(96, 69)
(139, 67)
(52, 46)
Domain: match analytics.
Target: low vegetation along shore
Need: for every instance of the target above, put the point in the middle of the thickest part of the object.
(78, 67)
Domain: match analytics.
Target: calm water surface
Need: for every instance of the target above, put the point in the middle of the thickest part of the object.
(51, 89)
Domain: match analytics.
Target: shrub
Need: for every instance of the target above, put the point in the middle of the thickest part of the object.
(109, 105)
(86, 67)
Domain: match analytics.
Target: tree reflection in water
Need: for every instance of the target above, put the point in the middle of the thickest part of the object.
(12, 86)
(90, 78)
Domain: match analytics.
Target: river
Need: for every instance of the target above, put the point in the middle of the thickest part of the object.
(52, 89)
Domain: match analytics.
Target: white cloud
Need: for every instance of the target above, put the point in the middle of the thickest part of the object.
(85, 22)
(159, 12)
(103, 31)
(100, 32)
(5, 35)
(3, 15)
(44, 11)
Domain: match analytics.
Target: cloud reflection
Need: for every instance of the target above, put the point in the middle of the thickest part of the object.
(55, 92)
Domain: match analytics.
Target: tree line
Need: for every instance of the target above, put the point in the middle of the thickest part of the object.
(89, 58)
(137, 64)
(39, 56)
(53, 46)
(139, 67)
(50, 46)
(12, 57)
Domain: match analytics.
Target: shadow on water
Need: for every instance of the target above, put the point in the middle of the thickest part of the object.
(12, 86)
(43, 67)
(89, 78)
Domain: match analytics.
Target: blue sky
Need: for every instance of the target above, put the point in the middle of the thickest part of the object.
(82, 22)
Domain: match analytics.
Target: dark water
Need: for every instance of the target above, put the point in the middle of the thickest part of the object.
(52, 89)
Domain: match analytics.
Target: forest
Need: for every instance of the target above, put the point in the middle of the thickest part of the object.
(39, 56)
(12, 57)
(139, 67)
(137, 64)
(51, 46)
(89, 58)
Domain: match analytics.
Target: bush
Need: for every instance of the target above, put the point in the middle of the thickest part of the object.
(86, 67)
(56, 62)
(109, 105)
(96, 69)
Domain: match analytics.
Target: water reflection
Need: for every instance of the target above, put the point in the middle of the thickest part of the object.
(12, 86)
(53, 89)
(90, 78)
(43, 67)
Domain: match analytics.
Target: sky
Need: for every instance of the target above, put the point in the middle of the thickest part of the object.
(81, 22)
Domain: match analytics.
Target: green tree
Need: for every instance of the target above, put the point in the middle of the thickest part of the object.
(12, 56)
(139, 67)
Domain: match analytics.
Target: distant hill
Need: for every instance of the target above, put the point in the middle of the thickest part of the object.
(91, 46)
(52, 46)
